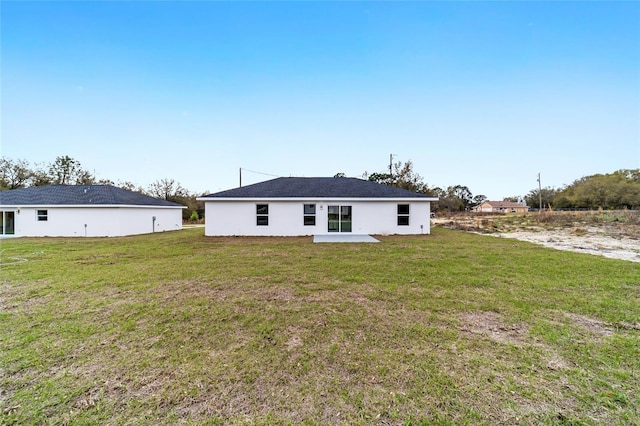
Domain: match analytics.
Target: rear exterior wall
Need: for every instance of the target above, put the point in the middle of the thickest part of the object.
(286, 218)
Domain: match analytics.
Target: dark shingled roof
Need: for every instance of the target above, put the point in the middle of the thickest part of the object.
(319, 187)
(89, 195)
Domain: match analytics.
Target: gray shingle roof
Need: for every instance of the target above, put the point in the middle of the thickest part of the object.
(318, 187)
(79, 195)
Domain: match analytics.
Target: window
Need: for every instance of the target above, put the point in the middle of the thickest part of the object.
(309, 214)
(42, 215)
(262, 214)
(403, 214)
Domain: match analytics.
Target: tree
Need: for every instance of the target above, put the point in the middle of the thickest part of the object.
(463, 194)
(40, 176)
(454, 198)
(382, 178)
(170, 190)
(406, 178)
(479, 199)
(167, 189)
(14, 174)
(130, 186)
(615, 190)
(403, 177)
(63, 169)
(68, 171)
(548, 196)
(84, 177)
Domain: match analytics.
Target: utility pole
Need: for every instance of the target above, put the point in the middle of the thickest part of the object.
(539, 193)
(240, 177)
(391, 166)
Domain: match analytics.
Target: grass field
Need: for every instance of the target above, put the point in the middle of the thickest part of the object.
(451, 328)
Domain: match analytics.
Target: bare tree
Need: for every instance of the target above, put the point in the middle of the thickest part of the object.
(167, 189)
(40, 176)
(14, 174)
(130, 186)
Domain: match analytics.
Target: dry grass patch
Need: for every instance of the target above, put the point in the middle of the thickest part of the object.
(592, 325)
(491, 324)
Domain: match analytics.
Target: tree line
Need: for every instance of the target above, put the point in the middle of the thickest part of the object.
(453, 198)
(617, 190)
(64, 170)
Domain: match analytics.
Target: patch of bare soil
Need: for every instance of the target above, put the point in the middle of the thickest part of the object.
(616, 236)
(592, 325)
(592, 243)
(490, 324)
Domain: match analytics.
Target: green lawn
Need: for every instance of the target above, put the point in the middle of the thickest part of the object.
(451, 328)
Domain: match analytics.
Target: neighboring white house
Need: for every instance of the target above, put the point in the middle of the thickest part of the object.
(315, 206)
(84, 211)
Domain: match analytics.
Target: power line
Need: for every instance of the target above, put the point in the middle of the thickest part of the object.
(259, 173)
(253, 171)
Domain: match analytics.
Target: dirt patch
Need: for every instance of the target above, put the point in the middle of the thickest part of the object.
(13, 300)
(555, 362)
(490, 324)
(592, 243)
(294, 341)
(613, 235)
(592, 325)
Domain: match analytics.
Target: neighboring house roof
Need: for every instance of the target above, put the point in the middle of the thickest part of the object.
(85, 195)
(317, 187)
(505, 204)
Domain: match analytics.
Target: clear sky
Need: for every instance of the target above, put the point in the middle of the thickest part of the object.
(482, 94)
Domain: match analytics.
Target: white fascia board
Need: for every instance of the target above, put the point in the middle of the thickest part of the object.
(317, 199)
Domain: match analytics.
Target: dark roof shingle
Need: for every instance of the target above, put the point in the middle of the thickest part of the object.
(317, 187)
(79, 195)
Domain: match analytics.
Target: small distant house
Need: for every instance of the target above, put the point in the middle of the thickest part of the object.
(84, 211)
(295, 206)
(501, 207)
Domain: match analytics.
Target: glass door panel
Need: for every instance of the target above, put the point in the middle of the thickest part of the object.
(334, 218)
(339, 218)
(345, 219)
(7, 223)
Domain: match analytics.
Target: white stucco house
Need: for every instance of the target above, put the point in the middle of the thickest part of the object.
(84, 211)
(295, 206)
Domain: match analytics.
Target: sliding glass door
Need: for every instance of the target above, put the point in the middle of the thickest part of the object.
(339, 218)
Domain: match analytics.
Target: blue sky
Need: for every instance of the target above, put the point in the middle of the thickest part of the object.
(482, 94)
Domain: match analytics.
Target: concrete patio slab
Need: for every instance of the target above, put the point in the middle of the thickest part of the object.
(344, 238)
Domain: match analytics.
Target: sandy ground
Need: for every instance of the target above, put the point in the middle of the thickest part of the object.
(595, 240)
(602, 245)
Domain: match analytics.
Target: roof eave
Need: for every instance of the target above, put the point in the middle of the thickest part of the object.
(432, 199)
(50, 206)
